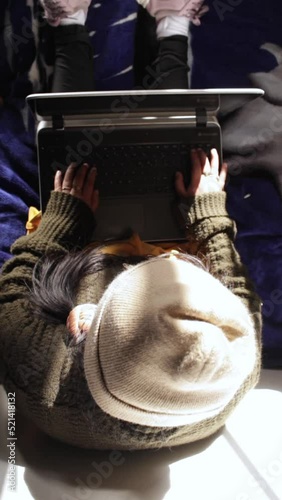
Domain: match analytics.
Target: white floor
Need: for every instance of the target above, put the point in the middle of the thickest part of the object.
(243, 462)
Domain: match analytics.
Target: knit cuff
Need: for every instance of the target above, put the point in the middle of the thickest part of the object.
(67, 217)
(206, 206)
(67, 221)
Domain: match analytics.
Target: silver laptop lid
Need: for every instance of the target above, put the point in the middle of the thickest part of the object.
(138, 101)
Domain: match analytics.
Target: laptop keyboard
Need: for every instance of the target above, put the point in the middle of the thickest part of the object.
(141, 169)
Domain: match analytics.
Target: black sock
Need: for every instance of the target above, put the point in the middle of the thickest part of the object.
(171, 66)
(73, 70)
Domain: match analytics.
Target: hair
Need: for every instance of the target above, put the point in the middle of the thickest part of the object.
(56, 278)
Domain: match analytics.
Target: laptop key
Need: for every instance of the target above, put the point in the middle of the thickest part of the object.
(140, 169)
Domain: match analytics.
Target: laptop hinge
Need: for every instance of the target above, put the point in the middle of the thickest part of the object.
(57, 122)
(201, 117)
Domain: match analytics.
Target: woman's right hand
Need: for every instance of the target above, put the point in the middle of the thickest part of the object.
(80, 183)
(205, 176)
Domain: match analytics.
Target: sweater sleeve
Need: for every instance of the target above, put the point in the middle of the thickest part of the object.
(210, 227)
(28, 343)
(67, 224)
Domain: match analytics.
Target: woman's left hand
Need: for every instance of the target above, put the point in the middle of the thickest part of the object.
(205, 175)
(80, 183)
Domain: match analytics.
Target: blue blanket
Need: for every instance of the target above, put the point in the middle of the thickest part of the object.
(234, 47)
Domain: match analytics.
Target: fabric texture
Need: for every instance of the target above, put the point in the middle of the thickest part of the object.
(56, 10)
(172, 25)
(27, 48)
(48, 375)
(79, 17)
(250, 57)
(181, 340)
(170, 67)
(192, 9)
(74, 60)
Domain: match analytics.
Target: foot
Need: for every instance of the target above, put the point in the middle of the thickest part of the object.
(191, 9)
(57, 10)
(171, 66)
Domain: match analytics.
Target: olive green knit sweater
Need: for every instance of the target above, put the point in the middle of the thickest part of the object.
(47, 376)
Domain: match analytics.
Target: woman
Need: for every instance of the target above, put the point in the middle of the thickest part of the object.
(129, 346)
(168, 351)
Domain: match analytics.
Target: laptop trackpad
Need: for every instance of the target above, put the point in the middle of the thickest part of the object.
(151, 218)
(114, 219)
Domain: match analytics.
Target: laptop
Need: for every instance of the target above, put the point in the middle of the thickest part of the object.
(137, 140)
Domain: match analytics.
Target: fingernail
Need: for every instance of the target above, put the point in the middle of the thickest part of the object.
(85, 165)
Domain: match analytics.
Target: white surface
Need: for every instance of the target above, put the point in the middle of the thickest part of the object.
(243, 462)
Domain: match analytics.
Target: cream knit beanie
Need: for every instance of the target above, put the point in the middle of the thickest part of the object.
(169, 345)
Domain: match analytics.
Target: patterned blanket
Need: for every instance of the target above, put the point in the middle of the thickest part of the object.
(237, 45)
